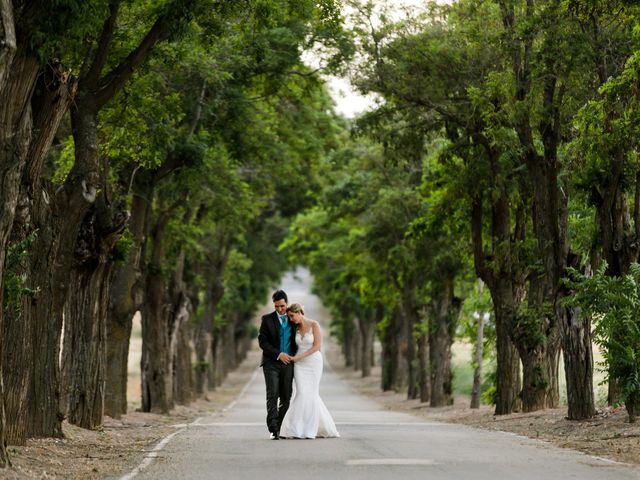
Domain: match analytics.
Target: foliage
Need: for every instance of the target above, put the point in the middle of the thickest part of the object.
(614, 303)
(14, 286)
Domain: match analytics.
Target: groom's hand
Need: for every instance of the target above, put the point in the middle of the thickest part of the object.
(284, 358)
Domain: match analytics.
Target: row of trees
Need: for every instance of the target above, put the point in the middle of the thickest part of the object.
(504, 148)
(148, 157)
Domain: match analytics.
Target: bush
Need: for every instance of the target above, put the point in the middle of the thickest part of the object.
(614, 303)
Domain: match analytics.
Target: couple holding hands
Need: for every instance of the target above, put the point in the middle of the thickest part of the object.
(290, 344)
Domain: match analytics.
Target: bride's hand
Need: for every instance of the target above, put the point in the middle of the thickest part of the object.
(295, 359)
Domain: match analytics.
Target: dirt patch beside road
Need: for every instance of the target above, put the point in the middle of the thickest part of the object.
(120, 445)
(608, 435)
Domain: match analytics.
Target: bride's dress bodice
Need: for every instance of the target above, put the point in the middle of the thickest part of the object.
(305, 342)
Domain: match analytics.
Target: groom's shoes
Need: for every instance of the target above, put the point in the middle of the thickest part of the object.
(275, 435)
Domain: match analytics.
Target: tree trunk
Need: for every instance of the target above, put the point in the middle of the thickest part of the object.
(391, 353)
(446, 309)
(8, 45)
(126, 299)
(52, 94)
(357, 344)
(180, 352)
(425, 365)
(84, 350)
(367, 332)
(203, 339)
(347, 340)
(156, 363)
(578, 364)
(180, 347)
(183, 382)
(632, 404)
(476, 391)
(505, 282)
(10, 167)
(411, 319)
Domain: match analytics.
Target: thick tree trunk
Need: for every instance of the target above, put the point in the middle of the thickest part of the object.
(84, 351)
(126, 300)
(578, 364)
(17, 81)
(45, 417)
(98, 225)
(53, 93)
(504, 283)
(156, 362)
(54, 257)
(10, 169)
(444, 319)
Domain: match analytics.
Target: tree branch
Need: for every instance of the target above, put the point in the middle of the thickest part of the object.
(102, 52)
(114, 80)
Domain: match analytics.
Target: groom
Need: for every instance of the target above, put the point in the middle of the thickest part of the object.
(277, 341)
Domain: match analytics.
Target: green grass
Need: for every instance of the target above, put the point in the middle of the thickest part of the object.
(463, 374)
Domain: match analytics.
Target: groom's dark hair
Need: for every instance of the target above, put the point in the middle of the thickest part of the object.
(279, 295)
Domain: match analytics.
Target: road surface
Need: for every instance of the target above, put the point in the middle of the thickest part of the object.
(374, 443)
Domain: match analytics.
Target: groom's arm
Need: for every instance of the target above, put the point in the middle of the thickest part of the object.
(263, 340)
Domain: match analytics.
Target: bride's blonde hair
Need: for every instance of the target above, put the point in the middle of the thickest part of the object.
(296, 308)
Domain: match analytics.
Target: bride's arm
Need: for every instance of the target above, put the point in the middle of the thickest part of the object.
(317, 342)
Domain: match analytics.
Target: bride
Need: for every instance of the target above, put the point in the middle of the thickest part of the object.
(307, 416)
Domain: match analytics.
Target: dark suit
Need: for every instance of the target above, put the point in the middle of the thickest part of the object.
(278, 377)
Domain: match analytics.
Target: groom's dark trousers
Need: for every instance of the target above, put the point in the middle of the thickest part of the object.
(278, 377)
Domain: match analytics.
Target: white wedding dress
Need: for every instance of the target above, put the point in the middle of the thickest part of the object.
(307, 416)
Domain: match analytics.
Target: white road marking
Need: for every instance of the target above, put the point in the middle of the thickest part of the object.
(390, 461)
(148, 460)
(151, 456)
(242, 392)
(261, 424)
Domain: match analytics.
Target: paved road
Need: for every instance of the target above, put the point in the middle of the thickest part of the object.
(375, 444)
